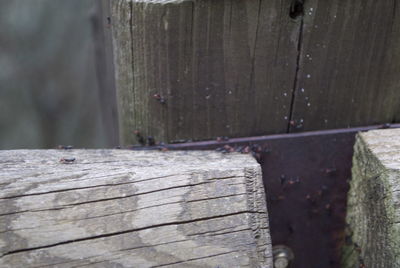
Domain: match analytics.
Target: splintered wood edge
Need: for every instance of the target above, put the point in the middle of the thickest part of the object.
(40, 192)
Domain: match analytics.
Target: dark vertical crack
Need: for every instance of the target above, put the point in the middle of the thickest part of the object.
(192, 24)
(132, 57)
(296, 76)
(165, 113)
(192, 47)
(279, 33)
(208, 106)
(230, 22)
(393, 121)
(252, 83)
(256, 37)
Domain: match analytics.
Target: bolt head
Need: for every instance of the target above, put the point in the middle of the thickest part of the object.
(281, 263)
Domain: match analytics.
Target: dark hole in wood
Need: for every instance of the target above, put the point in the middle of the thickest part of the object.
(296, 9)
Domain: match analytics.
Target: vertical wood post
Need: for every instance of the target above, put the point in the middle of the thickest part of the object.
(195, 70)
(202, 69)
(373, 216)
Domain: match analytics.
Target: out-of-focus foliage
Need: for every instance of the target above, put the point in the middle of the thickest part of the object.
(48, 83)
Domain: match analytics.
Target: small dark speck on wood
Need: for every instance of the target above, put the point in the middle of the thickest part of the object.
(67, 160)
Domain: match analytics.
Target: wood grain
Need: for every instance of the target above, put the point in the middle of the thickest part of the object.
(244, 68)
(349, 65)
(373, 202)
(117, 208)
(121, 31)
(218, 65)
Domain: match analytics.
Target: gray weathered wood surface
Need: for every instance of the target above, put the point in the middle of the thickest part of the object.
(243, 68)
(374, 201)
(218, 64)
(349, 65)
(117, 208)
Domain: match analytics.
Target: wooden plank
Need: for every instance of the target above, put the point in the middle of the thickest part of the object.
(217, 64)
(373, 214)
(118, 208)
(349, 65)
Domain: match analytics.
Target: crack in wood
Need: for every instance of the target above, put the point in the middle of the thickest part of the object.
(297, 73)
(102, 223)
(193, 259)
(88, 187)
(107, 215)
(127, 231)
(215, 231)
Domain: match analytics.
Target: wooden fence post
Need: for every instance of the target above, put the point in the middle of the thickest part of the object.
(195, 70)
(373, 216)
(201, 69)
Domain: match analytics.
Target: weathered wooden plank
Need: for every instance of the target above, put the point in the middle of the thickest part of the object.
(117, 208)
(224, 68)
(373, 202)
(349, 65)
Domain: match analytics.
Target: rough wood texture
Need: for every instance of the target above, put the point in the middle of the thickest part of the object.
(243, 68)
(374, 201)
(219, 66)
(115, 208)
(349, 65)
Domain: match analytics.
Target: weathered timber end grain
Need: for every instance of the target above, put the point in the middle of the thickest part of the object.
(119, 208)
(373, 202)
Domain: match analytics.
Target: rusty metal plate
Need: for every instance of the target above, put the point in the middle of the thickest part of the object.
(306, 178)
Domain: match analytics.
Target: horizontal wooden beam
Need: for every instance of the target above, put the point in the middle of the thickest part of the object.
(124, 208)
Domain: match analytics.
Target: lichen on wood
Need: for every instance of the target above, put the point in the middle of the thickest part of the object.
(373, 216)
